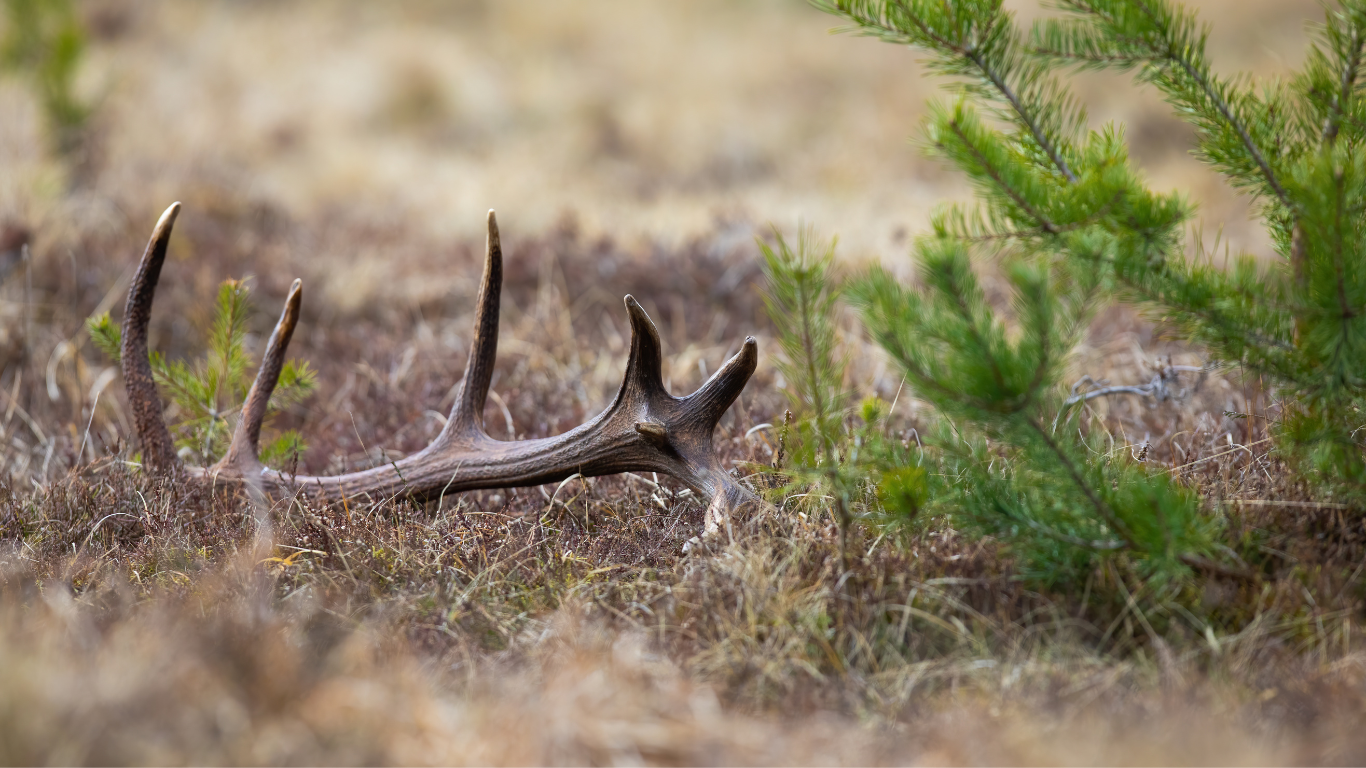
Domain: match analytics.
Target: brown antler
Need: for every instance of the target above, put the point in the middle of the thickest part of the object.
(644, 430)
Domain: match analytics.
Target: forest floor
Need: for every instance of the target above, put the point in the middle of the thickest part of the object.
(629, 148)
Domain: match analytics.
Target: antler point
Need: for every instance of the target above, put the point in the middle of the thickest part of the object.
(749, 351)
(495, 242)
(167, 218)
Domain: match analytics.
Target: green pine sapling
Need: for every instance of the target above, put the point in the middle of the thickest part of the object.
(802, 300)
(209, 394)
(834, 452)
(1294, 144)
(1000, 459)
(1075, 223)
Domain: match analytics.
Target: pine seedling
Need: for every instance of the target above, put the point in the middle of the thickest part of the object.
(802, 297)
(998, 458)
(1073, 220)
(1296, 145)
(209, 393)
(1049, 189)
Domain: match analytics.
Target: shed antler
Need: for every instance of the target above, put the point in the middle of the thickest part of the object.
(644, 430)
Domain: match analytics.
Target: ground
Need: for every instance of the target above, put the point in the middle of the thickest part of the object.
(628, 148)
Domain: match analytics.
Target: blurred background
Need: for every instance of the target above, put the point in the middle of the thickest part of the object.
(646, 120)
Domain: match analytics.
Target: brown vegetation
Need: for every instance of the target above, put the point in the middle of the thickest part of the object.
(144, 620)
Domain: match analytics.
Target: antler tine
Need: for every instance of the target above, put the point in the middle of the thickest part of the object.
(644, 366)
(467, 414)
(717, 394)
(244, 453)
(644, 378)
(681, 428)
(158, 450)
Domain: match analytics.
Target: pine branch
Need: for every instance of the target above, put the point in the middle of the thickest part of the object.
(992, 50)
(1351, 69)
(998, 177)
(1183, 58)
(1098, 545)
(1027, 117)
(1149, 33)
(1106, 513)
(955, 291)
(1044, 229)
(1043, 331)
(1338, 246)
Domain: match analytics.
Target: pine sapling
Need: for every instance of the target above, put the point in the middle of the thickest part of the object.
(802, 297)
(209, 393)
(1072, 220)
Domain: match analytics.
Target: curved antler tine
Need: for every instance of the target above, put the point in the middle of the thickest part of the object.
(645, 363)
(717, 394)
(245, 448)
(158, 450)
(467, 414)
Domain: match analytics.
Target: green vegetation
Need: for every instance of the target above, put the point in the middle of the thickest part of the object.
(43, 40)
(1001, 457)
(1073, 225)
(802, 300)
(210, 393)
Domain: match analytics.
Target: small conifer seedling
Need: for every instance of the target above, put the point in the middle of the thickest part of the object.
(209, 393)
(1075, 224)
(801, 296)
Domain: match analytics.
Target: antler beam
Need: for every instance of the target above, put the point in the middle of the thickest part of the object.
(644, 430)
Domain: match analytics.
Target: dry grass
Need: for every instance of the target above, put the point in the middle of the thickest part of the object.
(146, 623)
(629, 148)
